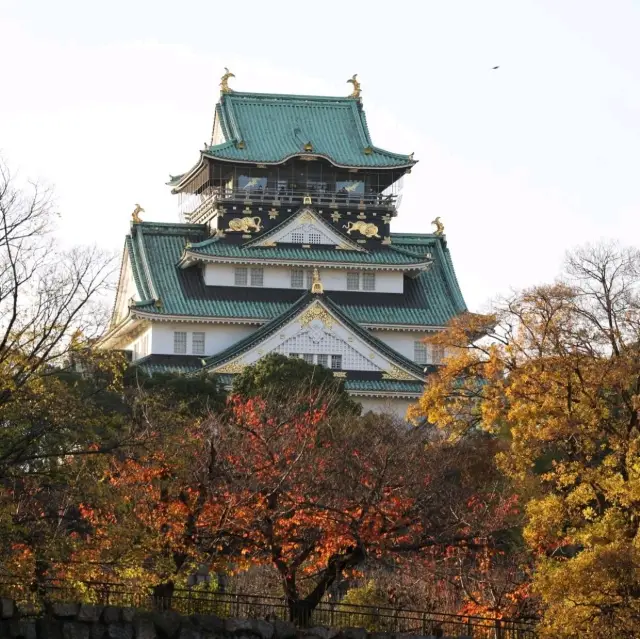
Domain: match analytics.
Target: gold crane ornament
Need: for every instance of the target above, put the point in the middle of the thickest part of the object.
(356, 86)
(224, 81)
(135, 216)
(439, 226)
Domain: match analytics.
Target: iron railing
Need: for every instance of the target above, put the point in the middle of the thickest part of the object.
(32, 599)
(193, 204)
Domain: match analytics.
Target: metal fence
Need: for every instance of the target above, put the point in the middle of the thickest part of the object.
(32, 599)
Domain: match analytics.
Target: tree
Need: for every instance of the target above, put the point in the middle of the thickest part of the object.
(52, 382)
(311, 493)
(98, 424)
(558, 373)
(276, 378)
(51, 306)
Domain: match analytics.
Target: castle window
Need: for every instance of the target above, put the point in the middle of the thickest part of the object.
(368, 281)
(437, 354)
(257, 276)
(336, 362)
(297, 278)
(323, 360)
(294, 355)
(297, 238)
(197, 343)
(353, 281)
(420, 352)
(301, 278)
(315, 238)
(308, 357)
(241, 275)
(179, 342)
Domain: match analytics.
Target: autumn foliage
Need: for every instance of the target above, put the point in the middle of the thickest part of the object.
(558, 376)
(315, 495)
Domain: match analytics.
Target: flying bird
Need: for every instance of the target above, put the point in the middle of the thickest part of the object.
(494, 68)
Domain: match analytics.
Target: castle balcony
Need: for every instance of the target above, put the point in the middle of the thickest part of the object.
(198, 207)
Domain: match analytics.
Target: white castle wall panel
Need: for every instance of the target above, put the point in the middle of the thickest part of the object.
(397, 407)
(401, 341)
(217, 336)
(280, 277)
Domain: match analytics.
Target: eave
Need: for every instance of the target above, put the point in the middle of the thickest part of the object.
(388, 395)
(189, 258)
(313, 156)
(197, 319)
(186, 177)
(259, 321)
(125, 331)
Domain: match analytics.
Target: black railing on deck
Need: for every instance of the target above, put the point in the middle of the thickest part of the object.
(32, 599)
(210, 195)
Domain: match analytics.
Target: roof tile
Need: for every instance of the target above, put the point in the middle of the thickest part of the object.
(274, 127)
(430, 299)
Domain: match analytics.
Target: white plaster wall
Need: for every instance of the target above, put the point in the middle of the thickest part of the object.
(217, 336)
(402, 341)
(392, 406)
(141, 346)
(386, 281)
(128, 290)
(280, 277)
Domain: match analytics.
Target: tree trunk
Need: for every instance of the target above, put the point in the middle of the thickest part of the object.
(300, 611)
(162, 595)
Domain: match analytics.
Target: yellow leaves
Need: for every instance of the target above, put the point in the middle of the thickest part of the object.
(590, 595)
(546, 379)
(547, 517)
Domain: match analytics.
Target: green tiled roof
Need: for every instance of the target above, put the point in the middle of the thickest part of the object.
(188, 364)
(430, 299)
(383, 386)
(269, 128)
(182, 364)
(217, 247)
(307, 299)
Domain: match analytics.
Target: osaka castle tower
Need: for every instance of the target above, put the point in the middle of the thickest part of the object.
(284, 245)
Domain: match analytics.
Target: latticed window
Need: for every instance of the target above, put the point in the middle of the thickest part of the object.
(345, 357)
(308, 278)
(301, 278)
(241, 275)
(180, 342)
(197, 343)
(315, 238)
(257, 276)
(420, 352)
(437, 354)
(308, 357)
(368, 281)
(297, 237)
(297, 278)
(353, 281)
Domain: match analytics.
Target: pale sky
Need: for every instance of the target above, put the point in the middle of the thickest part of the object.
(104, 100)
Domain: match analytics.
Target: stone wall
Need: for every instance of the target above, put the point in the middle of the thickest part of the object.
(81, 621)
